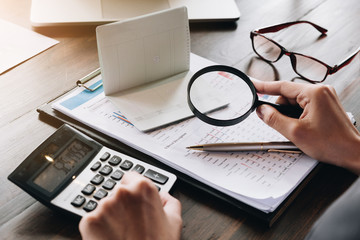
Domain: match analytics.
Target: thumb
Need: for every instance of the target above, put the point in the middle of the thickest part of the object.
(172, 210)
(170, 204)
(276, 120)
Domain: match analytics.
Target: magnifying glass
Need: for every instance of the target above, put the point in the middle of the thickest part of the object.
(223, 96)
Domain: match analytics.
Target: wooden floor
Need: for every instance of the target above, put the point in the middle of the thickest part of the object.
(53, 72)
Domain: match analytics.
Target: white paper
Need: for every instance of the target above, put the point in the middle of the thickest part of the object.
(260, 179)
(146, 50)
(18, 44)
(162, 102)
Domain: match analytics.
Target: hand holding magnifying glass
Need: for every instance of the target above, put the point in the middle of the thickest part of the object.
(223, 96)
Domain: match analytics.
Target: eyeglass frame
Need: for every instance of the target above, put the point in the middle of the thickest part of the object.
(275, 28)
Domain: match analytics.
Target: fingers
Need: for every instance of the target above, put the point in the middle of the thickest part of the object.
(283, 101)
(131, 177)
(321, 125)
(170, 204)
(93, 225)
(286, 89)
(135, 209)
(135, 187)
(172, 209)
(283, 124)
(143, 186)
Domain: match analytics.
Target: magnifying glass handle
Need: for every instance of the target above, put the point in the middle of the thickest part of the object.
(293, 111)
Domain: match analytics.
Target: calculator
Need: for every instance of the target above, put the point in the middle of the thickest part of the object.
(71, 172)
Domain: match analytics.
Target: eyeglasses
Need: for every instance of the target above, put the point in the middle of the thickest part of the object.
(309, 68)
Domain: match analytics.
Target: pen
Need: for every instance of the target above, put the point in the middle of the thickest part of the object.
(285, 147)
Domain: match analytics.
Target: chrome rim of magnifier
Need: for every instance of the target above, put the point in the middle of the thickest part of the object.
(221, 122)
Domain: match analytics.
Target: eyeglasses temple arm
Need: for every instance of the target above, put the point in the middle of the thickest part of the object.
(345, 62)
(279, 27)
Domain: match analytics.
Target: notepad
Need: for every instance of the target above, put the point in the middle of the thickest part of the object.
(145, 65)
(14, 50)
(259, 179)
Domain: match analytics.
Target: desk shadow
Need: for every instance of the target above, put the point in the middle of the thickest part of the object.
(84, 30)
(218, 217)
(67, 31)
(198, 201)
(213, 26)
(258, 73)
(41, 223)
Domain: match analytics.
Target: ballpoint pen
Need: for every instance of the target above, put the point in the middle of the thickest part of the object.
(286, 147)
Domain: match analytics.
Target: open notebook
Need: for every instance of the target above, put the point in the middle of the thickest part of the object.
(259, 179)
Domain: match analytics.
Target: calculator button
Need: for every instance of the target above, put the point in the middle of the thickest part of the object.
(138, 168)
(78, 201)
(117, 175)
(90, 206)
(106, 170)
(156, 177)
(97, 179)
(109, 184)
(126, 165)
(96, 166)
(88, 189)
(105, 156)
(114, 160)
(101, 193)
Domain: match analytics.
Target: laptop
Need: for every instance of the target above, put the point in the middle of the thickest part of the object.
(69, 12)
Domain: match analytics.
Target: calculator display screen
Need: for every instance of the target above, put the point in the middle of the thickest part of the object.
(62, 165)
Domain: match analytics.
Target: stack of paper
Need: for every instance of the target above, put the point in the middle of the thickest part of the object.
(260, 179)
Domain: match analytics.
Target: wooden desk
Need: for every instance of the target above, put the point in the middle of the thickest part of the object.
(54, 71)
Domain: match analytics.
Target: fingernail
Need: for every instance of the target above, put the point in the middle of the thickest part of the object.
(261, 111)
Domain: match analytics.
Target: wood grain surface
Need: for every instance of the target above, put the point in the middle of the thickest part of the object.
(53, 72)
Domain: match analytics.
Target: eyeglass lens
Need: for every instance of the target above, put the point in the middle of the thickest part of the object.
(309, 68)
(266, 49)
(306, 67)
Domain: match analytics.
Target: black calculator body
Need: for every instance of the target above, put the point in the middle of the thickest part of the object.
(71, 172)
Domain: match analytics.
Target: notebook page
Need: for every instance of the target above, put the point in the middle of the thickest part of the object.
(260, 179)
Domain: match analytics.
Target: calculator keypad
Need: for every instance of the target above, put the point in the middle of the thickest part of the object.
(138, 168)
(109, 184)
(105, 156)
(101, 193)
(90, 205)
(117, 175)
(78, 201)
(96, 166)
(88, 189)
(114, 160)
(156, 177)
(126, 165)
(97, 179)
(107, 172)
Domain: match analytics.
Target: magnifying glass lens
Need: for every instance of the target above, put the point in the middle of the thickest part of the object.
(221, 95)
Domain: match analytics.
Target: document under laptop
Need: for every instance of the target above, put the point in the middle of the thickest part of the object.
(67, 12)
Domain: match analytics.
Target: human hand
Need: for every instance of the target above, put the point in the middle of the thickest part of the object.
(134, 211)
(323, 131)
